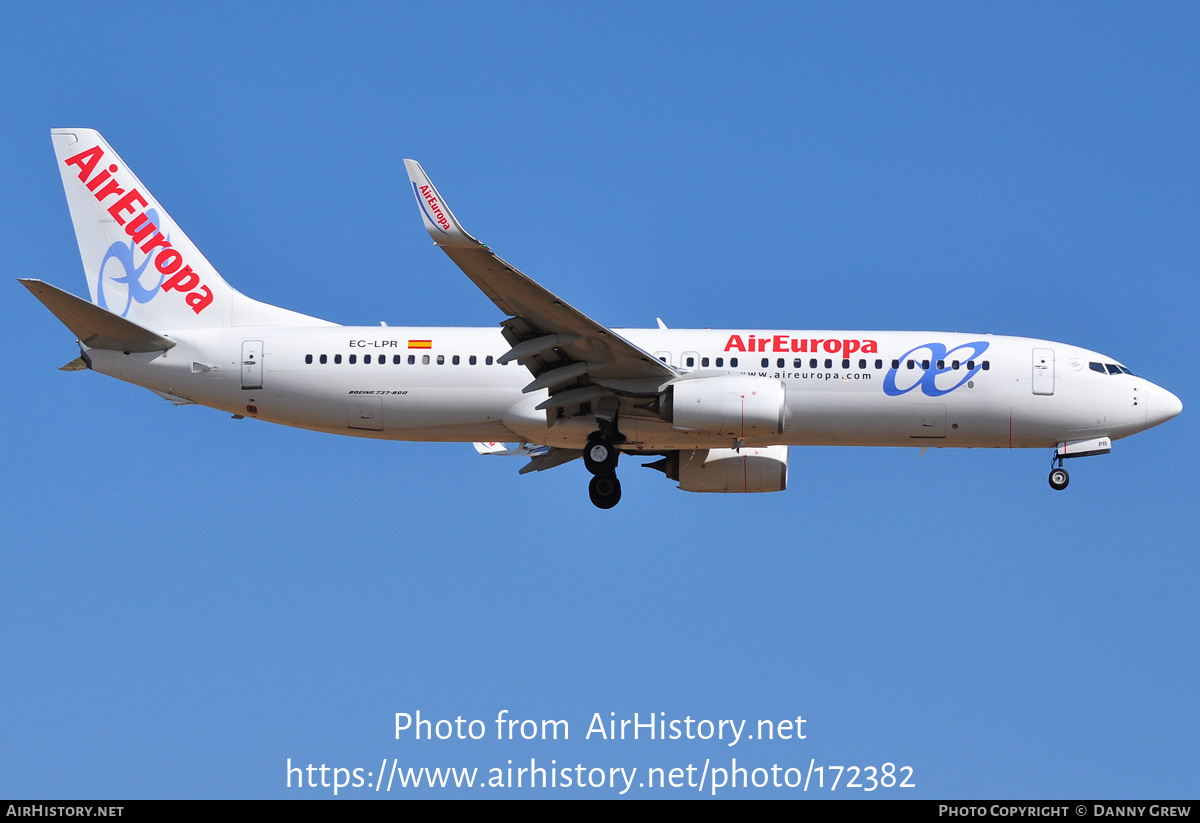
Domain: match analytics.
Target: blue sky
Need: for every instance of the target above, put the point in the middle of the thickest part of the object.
(189, 601)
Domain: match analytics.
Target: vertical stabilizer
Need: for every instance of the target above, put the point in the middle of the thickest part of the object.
(139, 263)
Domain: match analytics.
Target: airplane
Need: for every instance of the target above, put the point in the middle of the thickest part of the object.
(718, 409)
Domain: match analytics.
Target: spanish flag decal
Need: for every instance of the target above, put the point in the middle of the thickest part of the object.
(420, 344)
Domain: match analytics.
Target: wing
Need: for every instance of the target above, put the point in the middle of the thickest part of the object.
(572, 356)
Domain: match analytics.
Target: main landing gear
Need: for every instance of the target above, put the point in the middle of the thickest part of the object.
(600, 458)
(1058, 475)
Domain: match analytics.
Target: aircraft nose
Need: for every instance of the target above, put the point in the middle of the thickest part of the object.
(1162, 406)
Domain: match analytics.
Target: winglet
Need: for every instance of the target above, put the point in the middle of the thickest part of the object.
(440, 222)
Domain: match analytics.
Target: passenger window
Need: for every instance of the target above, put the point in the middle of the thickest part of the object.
(455, 360)
(366, 358)
(779, 363)
(691, 362)
(766, 361)
(720, 362)
(424, 360)
(954, 364)
(812, 363)
(896, 364)
(987, 364)
(324, 359)
(412, 359)
(488, 360)
(733, 362)
(395, 360)
(845, 364)
(472, 361)
(911, 364)
(308, 358)
(862, 364)
(925, 364)
(829, 362)
(941, 365)
(970, 364)
(441, 359)
(704, 362)
(879, 364)
(337, 358)
(797, 363)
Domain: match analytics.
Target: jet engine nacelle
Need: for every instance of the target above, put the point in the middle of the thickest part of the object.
(733, 405)
(727, 470)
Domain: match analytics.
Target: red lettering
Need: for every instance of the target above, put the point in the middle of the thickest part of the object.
(139, 231)
(129, 203)
(85, 161)
(101, 177)
(111, 187)
(784, 343)
(199, 300)
(168, 261)
(154, 242)
(184, 280)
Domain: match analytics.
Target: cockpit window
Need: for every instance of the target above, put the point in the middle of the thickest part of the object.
(1110, 368)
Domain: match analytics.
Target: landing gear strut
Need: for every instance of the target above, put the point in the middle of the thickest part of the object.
(600, 458)
(1058, 475)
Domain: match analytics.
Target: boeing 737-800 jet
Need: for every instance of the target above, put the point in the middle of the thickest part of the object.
(718, 409)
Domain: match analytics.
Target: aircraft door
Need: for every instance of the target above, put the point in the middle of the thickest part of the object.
(252, 370)
(1043, 371)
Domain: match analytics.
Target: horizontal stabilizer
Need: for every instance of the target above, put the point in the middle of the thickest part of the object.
(501, 450)
(95, 327)
(551, 458)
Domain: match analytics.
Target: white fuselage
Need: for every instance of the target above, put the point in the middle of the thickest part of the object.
(842, 388)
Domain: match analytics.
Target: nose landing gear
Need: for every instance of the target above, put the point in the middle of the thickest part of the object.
(1058, 475)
